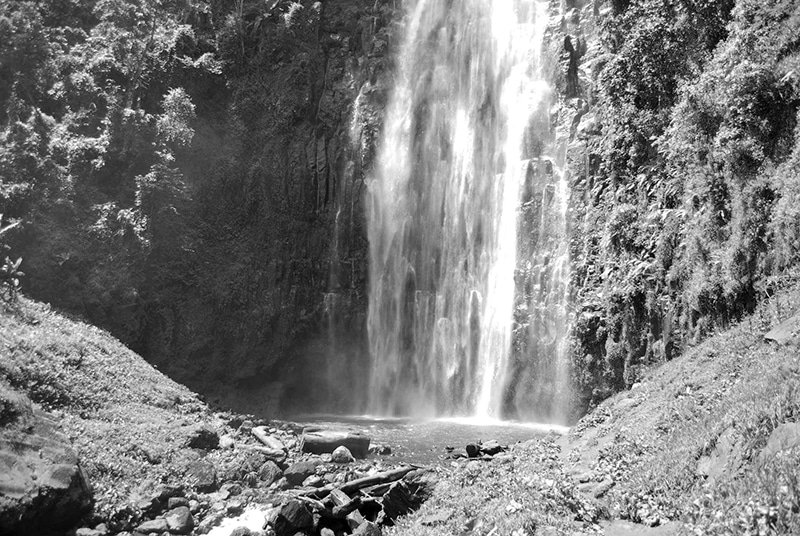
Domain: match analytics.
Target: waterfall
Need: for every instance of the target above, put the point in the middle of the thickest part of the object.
(449, 272)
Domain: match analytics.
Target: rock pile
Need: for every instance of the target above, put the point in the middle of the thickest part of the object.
(312, 482)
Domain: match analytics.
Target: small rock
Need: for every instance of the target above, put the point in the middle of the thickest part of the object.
(382, 450)
(355, 520)
(299, 471)
(194, 506)
(243, 531)
(232, 488)
(246, 427)
(235, 507)
(180, 520)
(342, 455)
(269, 472)
(226, 442)
(154, 526)
(88, 532)
(313, 481)
(473, 450)
(326, 532)
(174, 502)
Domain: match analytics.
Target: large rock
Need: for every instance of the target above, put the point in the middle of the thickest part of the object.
(326, 441)
(269, 472)
(202, 476)
(180, 520)
(42, 486)
(293, 517)
(296, 473)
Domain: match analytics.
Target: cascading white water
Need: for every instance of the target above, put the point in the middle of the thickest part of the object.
(443, 207)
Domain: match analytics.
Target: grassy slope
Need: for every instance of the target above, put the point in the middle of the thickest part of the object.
(127, 421)
(650, 442)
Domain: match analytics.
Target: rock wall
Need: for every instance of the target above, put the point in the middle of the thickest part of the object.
(280, 265)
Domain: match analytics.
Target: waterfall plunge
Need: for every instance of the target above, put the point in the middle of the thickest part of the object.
(443, 206)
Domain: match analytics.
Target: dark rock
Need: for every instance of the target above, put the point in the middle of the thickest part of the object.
(269, 472)
(202, 476)
(294, 516)
(368, 528)
(473, 450)
(154, 526)
(203, 438)
(405, 496)
(298, 472)
(42, 487)
(179, 520)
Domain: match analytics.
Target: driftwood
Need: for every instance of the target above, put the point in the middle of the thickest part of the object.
(271, 454)
(360, 483)
(271, 442)
(324, 441)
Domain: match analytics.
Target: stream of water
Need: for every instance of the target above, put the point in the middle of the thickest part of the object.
(466, 222)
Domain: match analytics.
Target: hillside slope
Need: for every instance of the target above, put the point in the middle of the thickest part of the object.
(128, 423)
(708, 443)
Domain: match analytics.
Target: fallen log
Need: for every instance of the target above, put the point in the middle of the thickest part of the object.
(359, 483)
(270, 441)
(326, 441)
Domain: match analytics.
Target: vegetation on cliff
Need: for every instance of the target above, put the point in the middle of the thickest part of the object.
(180, 170)
(685, 212)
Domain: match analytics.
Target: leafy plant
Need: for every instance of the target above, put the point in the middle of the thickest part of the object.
(9, 271)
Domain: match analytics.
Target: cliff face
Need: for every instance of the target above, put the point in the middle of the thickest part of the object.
(282, 246)
(192, 178)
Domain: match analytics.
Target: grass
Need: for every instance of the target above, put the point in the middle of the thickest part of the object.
(525, 493)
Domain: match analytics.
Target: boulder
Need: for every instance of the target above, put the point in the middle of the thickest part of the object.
(154, 526)
(42, 486)
(202, 476)
(293, 517)
(296, 473)
(269, 472)
(326, 441)
(179, 520)
(342, 455)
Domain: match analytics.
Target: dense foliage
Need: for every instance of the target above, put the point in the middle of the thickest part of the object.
(158, 154)
(691, 216)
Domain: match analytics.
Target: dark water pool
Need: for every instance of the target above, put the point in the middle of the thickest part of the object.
(424, 442)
